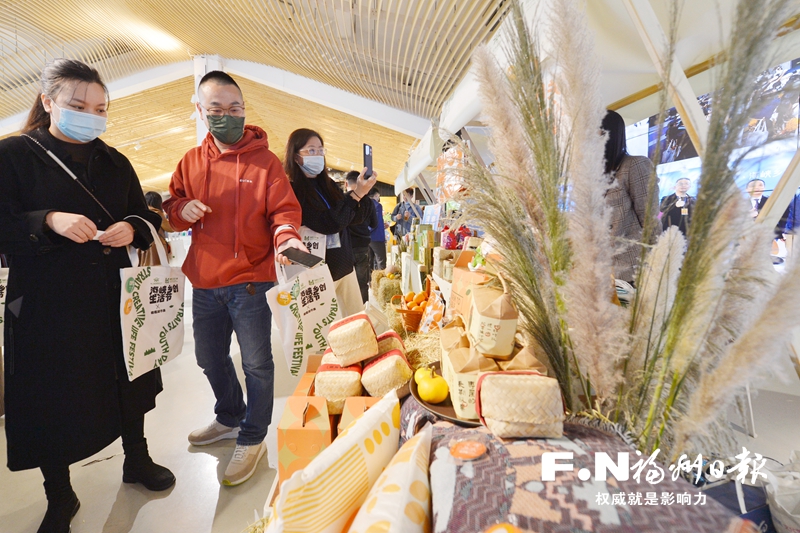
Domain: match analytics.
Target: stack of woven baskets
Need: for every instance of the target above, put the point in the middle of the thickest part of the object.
(358, 357)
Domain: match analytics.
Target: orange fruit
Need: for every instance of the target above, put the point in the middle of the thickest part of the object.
(410, 297)
(424, 304)
(419, 298)
(417, 308)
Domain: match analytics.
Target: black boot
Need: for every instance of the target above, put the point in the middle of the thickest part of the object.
(138, 466)
(62, 502)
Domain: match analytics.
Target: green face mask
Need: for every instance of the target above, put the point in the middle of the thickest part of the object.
(226, 129)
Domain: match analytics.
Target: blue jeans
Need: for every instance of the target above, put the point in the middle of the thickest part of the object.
(216, 314)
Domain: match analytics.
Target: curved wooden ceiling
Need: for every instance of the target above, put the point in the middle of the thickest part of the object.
(408, 54)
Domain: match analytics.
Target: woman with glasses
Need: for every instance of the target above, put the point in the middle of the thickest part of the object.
(68, 394)
(329, 211)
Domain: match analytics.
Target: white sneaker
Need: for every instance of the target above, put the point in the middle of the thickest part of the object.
(212, 433)
(243, 463)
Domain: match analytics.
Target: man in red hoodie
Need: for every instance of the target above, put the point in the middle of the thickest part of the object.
(232, 191)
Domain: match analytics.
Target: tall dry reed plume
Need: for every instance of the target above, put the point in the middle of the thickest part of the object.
(717, 224)
(749, 357)
(519, 204)
(658, 280)
(597, 326)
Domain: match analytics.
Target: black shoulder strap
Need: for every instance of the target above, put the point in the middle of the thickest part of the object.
(71, 175)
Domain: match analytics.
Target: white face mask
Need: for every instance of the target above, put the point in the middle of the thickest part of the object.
(82, 127)
(313, 165)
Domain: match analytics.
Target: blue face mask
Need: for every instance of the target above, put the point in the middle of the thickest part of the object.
(313, 165)
(82, 127)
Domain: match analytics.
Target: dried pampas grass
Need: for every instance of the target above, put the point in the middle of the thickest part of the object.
(749, 357)
(669, 365)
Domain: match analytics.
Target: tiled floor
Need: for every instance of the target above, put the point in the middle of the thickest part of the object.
(199, 504)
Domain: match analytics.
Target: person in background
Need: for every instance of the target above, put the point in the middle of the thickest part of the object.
(360, 239)
(676, 209)
(67, 392)
(150, 256)
(403, 213)
(232, 192)
(329, 211)
(377, 245)
(627, 197)
(755, 189)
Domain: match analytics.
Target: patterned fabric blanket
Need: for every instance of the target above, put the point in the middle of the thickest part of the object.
(505, 486)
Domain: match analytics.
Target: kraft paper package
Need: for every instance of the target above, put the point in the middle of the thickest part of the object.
(493, 322)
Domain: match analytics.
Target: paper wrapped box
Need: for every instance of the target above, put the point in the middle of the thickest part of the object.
(461, 368)
(440, 255)
(463, 282)
(492, 322)
(523, 358)
(303, 432)
(453, 335)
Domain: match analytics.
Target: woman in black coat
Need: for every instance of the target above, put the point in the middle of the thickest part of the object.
(67, 391)
(329, 211)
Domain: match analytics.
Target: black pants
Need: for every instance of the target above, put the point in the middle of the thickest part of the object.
(57, 484)
(361, 259)
(377, 252)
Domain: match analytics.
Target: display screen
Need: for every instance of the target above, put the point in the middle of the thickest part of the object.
(769, 141)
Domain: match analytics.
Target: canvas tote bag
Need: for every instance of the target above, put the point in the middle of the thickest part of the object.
(151, 313)
(303, 308)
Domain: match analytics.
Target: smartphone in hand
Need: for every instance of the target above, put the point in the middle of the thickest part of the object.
(300, 257)
(368, 160)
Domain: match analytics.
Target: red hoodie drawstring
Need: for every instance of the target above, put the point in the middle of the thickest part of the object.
(236, 219)
(205, 184)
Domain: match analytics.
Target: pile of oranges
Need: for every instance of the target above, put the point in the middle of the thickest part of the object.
(416, 302)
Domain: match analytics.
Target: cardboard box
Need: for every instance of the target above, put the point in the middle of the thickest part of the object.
(354, 407)
(440, 255)
(306, 385)
(461, 294)
(303, 432)
(314, 361)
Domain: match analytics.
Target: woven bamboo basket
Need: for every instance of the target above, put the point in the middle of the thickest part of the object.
(411, 319)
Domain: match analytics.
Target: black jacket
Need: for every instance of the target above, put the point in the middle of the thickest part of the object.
(672, 214)
(66, 386)
(361, 234)
(335, 219)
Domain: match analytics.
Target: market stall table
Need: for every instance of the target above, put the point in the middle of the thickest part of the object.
(505, 486)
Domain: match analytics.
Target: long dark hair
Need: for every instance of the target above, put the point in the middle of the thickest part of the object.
(55, 75)
(303, 186)
(616, 147)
